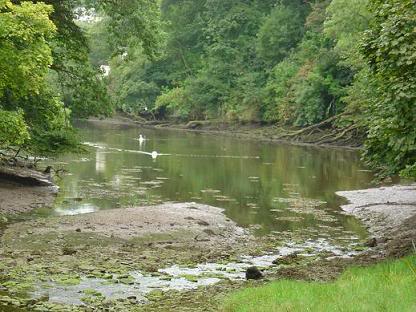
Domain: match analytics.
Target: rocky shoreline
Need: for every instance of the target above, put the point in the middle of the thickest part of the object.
(389, 214)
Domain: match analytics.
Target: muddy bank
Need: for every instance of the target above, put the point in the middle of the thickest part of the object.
(117, 121)
(170, 257)
(172, 223)
(316, 136)
(25, 176)
(325, 137)
(22, 190)
(118, 254)
(16, 198)
(390, 216)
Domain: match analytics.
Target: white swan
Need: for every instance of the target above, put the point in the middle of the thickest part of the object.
(153, 154)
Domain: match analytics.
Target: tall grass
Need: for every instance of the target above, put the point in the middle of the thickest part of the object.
(389, 286)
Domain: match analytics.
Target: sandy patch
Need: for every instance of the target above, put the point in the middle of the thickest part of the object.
(16, 198)
(182, 221)
(389, 214)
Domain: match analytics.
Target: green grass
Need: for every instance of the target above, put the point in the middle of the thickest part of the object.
(389, 286)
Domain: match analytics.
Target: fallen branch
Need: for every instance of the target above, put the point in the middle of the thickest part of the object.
(194, 124)
(313, 127)
(338, 137)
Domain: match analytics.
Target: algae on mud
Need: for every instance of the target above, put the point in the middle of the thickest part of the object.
(106, 257)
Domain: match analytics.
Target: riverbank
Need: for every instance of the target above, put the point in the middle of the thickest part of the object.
(118, 258)
(389, 214)
(22, 190)
(317, 135)
(108, 258)
(388, 286)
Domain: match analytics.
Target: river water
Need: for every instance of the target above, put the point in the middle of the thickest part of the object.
(270, 187)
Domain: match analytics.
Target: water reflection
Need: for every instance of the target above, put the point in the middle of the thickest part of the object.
(277, 187)
(100, 160)
(75, 209)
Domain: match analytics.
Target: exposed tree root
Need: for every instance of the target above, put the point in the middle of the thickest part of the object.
(330, 138)
(311, 128)
(324, 133)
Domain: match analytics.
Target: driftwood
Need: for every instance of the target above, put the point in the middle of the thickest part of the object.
(197, 124)
(323, 133)
(311, 128)
(332, 138)
(25, 176)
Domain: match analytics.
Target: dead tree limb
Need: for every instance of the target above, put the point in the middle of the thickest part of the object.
(310, 128)
(338, 137)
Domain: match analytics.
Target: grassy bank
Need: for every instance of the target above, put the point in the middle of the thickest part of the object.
(389, 286)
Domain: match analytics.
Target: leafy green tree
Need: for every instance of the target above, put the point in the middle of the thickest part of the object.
(128, 23)
(345, 23)
(26, 105)
(13, 129)
(280, 33)
(390, 49)
(24, 51)
(307, 86)
(45, 71)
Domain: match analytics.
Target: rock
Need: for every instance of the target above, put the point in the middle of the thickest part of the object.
(202, 223)
(197, 124)
(371, 243)
(78, 230)
(67, 251)
(209, 232)
(253, 273)
(5, 299)
(286, 260)
(25, 176)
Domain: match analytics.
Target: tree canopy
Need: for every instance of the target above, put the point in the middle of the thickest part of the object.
(46, 76)
(390, 49)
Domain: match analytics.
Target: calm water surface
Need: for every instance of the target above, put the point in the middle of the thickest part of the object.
(271, 187)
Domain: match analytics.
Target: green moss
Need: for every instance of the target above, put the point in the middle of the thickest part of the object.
(67, 280)
(190, 278)
(92, 292)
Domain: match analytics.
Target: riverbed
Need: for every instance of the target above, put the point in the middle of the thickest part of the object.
(275, 199)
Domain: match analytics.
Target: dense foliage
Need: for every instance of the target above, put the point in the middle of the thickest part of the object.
(46, 76)
(390, 49)
(28, 110)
